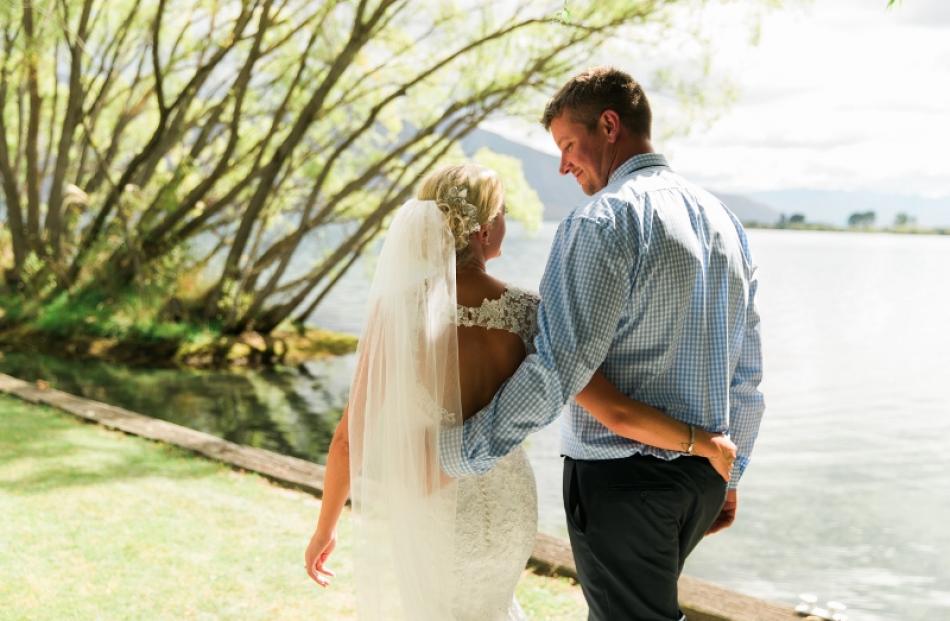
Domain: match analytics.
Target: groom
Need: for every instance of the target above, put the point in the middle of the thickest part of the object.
(653, 283)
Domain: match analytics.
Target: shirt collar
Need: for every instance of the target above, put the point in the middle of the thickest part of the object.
(635, 163)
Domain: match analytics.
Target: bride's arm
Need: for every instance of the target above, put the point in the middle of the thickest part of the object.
(336, 488)
(644, 423)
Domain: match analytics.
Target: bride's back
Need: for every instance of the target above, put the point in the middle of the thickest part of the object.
(487, 357)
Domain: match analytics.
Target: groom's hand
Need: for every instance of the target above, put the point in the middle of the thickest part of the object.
(728, 514)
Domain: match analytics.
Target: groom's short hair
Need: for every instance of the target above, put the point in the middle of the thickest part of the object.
(588, 94)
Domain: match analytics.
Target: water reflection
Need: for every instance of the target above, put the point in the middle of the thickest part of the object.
(288, 410)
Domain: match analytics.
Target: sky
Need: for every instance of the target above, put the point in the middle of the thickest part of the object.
(836, 95)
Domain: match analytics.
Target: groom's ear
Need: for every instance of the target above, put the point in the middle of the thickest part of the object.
(610, 123)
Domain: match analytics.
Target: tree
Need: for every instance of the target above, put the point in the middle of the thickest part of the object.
(797, 218)
(863, 219)
(208, 136)
(904, 220)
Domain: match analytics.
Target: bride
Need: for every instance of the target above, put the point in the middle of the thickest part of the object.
(441, 337)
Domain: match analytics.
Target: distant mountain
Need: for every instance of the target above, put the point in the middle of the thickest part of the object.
(560, 194)
(747, 209)
(834, 207)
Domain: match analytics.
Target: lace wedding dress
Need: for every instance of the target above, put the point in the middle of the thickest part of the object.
(497, 515)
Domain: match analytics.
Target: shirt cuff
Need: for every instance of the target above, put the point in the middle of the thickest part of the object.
(737, 469)
(451, 457)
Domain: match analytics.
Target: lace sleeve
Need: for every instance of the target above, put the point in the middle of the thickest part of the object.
(529, 322)
(515, 311)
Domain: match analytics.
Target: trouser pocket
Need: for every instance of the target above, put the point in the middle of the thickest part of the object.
(573, 507)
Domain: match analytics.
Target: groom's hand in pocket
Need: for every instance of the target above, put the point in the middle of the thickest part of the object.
(728, 513)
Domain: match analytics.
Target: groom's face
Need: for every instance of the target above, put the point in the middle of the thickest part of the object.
(582, 152)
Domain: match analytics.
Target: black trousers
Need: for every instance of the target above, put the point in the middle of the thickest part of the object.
(632, 523)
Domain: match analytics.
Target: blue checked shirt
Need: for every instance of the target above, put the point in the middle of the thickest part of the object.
(653, 283)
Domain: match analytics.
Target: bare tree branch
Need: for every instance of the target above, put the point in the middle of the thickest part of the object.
(112, 198)
(358, 38)
(10, 191)
(32, 132)
(54, 223)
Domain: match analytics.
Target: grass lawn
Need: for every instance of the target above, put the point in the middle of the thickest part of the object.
(95, 524)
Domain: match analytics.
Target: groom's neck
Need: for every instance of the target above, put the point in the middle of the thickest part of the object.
(628, 147)
(640, 146)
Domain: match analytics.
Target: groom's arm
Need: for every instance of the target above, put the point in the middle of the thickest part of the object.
(585, 285)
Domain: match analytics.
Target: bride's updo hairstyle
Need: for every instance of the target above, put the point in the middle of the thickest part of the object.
(469, 195)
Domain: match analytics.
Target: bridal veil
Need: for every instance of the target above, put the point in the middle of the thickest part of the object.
(404, 392)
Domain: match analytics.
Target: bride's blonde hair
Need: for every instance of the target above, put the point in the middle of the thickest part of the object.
(469, 195)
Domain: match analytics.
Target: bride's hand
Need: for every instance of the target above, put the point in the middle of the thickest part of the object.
(719, 450)
(318, 551)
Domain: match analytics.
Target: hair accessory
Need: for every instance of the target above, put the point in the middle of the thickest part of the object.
(457, 197)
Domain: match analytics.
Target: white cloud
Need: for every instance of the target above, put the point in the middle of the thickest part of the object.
(838, 95)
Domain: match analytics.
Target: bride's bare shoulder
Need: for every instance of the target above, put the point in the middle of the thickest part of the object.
(473, 289)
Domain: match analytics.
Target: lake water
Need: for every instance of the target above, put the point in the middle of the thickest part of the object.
(846, 495)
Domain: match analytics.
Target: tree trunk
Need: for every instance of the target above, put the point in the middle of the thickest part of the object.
(231, 272)
(54, 216)
(32, 134)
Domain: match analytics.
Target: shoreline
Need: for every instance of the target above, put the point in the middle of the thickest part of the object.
(830, 228)
(249, 350)
(702, 601)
